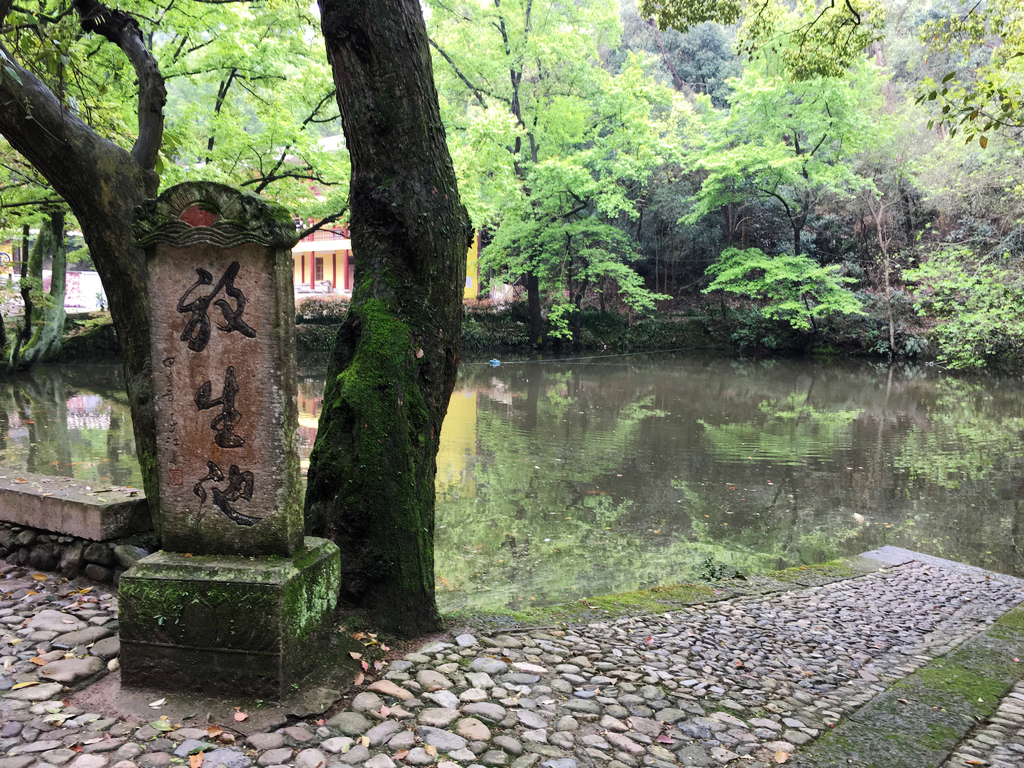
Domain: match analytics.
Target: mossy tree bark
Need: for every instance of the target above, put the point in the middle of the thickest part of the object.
(102, 183)
(371, 475)
(47, 317)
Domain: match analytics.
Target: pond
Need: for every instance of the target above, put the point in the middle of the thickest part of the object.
(560, 479)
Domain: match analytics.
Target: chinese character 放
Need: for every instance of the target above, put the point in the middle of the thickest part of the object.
(197, 330)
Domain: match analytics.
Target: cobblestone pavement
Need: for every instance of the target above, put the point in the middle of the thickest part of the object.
(1000, 741)
(747, 681)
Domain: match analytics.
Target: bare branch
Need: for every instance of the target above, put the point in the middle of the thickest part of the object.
(122, 30)
(476, 91)
(324, 222)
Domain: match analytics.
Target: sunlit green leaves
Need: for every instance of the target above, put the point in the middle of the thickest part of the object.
(813, 40)
(985, 92)
(794, 288)
(979, 303)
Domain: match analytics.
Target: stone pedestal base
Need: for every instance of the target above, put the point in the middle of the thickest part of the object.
(239, 626)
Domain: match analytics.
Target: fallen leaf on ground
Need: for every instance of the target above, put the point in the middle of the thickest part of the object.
(196, 760)
(379, 665)
(781, 757)
(364, 740)
(157, 703)
(355, 655)
(38, 662)
(431, 750)
(359, 679)
(384, 711)
(161, 725)
(240, 716)
(39, 576)
(364, 665)
(663, 739)
(400, 754)
(24, 685)
(214, 731)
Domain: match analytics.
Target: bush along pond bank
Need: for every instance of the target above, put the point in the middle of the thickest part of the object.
(726, 327)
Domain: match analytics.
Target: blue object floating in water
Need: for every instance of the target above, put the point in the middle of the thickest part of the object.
(495, 363)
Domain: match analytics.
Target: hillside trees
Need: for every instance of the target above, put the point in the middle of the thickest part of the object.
(788, 141)
(570, 146)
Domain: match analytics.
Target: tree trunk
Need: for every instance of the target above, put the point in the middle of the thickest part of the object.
(371, 474)
(48, 325)
(25, 331)
(102, 183)
(533, 309)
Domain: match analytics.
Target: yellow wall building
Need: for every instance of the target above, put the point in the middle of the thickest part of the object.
(322, 263)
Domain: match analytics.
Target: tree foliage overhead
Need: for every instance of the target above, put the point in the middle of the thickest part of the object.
(986, 91)
(821, 39)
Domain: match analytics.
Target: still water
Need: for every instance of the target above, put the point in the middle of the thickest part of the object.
(563, 479)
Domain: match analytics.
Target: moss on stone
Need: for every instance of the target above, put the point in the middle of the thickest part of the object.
(941, 736)
(834, 570)
(655, 600)
(1013, 619)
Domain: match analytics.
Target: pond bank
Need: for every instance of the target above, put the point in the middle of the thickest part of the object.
(897, 660)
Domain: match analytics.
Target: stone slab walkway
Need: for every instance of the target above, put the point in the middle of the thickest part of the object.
(756, 679)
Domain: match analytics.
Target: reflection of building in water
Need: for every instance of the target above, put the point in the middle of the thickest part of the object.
(310, 406)
(87, 412)
(458, 444)
(458, 437)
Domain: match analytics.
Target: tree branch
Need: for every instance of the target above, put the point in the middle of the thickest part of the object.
(123, 31)
(324, 222)
(457, 71)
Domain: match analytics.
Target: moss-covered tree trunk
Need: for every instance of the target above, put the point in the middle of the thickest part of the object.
(371, 474)
(47, 317)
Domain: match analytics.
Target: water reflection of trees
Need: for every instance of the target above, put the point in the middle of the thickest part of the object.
(581, 478)
(68, 421)
(590, 480)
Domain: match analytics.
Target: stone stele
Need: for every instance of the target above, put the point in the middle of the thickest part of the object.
(223, 340)
(237, 601)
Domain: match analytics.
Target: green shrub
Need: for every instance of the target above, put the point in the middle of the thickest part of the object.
(321, 310)
(979, 303)
(665, 335)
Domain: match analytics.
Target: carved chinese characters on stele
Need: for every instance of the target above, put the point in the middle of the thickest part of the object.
(221, 300)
